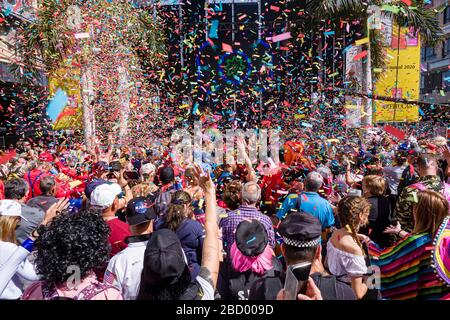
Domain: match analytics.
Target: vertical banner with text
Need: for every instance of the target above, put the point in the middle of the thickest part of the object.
(402, 78)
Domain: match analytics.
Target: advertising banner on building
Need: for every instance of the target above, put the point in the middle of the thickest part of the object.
(71, 115)
(402, 77)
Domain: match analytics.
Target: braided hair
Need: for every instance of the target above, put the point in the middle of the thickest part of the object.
(349, 209)
(177, 212)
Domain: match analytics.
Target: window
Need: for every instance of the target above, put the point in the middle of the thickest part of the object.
(447, 15)
(432, 81)
(446, 80)
(446, 48)
(428, 53)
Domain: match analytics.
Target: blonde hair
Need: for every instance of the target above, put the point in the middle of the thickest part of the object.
(141, 190)
(177, 212)
(8, 228)
(429, 212)
(439, 141)
(376, 185)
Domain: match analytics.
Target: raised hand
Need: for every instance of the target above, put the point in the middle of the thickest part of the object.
(445, 151)
(204, 179)
(55, 210)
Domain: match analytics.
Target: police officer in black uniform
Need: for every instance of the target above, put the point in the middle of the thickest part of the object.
(301, 233)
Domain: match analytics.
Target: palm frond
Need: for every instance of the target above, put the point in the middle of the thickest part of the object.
(48, 41)
(424, 20)
(334, 7)
(377, 53)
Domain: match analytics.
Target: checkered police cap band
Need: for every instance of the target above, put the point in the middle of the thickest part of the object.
(302, 244)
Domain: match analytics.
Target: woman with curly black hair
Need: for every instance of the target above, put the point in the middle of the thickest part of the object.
(68, 250)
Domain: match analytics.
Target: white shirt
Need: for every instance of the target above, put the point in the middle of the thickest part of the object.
(344, 264)
(125, 268)
(25, 272)
(208, 290)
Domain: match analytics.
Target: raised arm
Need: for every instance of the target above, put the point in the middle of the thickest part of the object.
(242, 147)
(211, 248)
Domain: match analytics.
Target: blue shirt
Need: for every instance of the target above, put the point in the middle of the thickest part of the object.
(191, 235)
(312, 203)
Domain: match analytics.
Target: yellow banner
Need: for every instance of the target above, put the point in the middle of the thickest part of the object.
(68, 79)
(404, 52)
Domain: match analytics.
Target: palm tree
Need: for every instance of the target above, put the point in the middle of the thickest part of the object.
(48, 43)
(417, 15)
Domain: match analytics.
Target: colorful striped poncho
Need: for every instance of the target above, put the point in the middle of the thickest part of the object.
(407, 271)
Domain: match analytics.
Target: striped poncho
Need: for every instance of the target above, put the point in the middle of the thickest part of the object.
(407, 271)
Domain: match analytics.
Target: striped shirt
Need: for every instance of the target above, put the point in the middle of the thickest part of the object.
(406, 269)
(230, 223)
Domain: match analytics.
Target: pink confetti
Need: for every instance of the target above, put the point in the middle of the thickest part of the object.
(281, 37)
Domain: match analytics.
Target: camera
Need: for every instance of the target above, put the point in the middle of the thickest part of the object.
(115, 166)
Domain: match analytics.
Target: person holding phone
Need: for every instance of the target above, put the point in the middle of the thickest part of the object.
(305, 277)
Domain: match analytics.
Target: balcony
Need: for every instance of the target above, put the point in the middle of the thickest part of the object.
(438, 64)
(446, 28)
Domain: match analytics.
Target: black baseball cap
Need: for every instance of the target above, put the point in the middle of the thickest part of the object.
(164, 261)
(140, 210)
(251, 238)
(92, 185)
(166, 175)
(100, 166)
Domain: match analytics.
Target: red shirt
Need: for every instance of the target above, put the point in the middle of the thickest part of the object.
(2, 190)
(119, 232)
(33, 178)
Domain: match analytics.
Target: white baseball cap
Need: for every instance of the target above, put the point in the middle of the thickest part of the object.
(103, 196)
(148, 168)
(10, 208)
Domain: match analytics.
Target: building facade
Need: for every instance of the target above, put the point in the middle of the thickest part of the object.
(435, 61)
(20, 115)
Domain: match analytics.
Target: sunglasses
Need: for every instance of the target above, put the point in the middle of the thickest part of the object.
(121, 195)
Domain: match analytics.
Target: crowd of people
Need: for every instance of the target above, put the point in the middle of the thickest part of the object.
(363, 220)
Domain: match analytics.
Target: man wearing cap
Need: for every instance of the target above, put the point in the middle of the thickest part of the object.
(301, 234)
(168, 187)
(125, 268)
(109, 199)
(166, 275)
(251, 258)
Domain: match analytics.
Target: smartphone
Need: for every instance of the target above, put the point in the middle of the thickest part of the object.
(296, 279)
(110, 175)
(354, 192)
(115, 166)
(131, 175)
